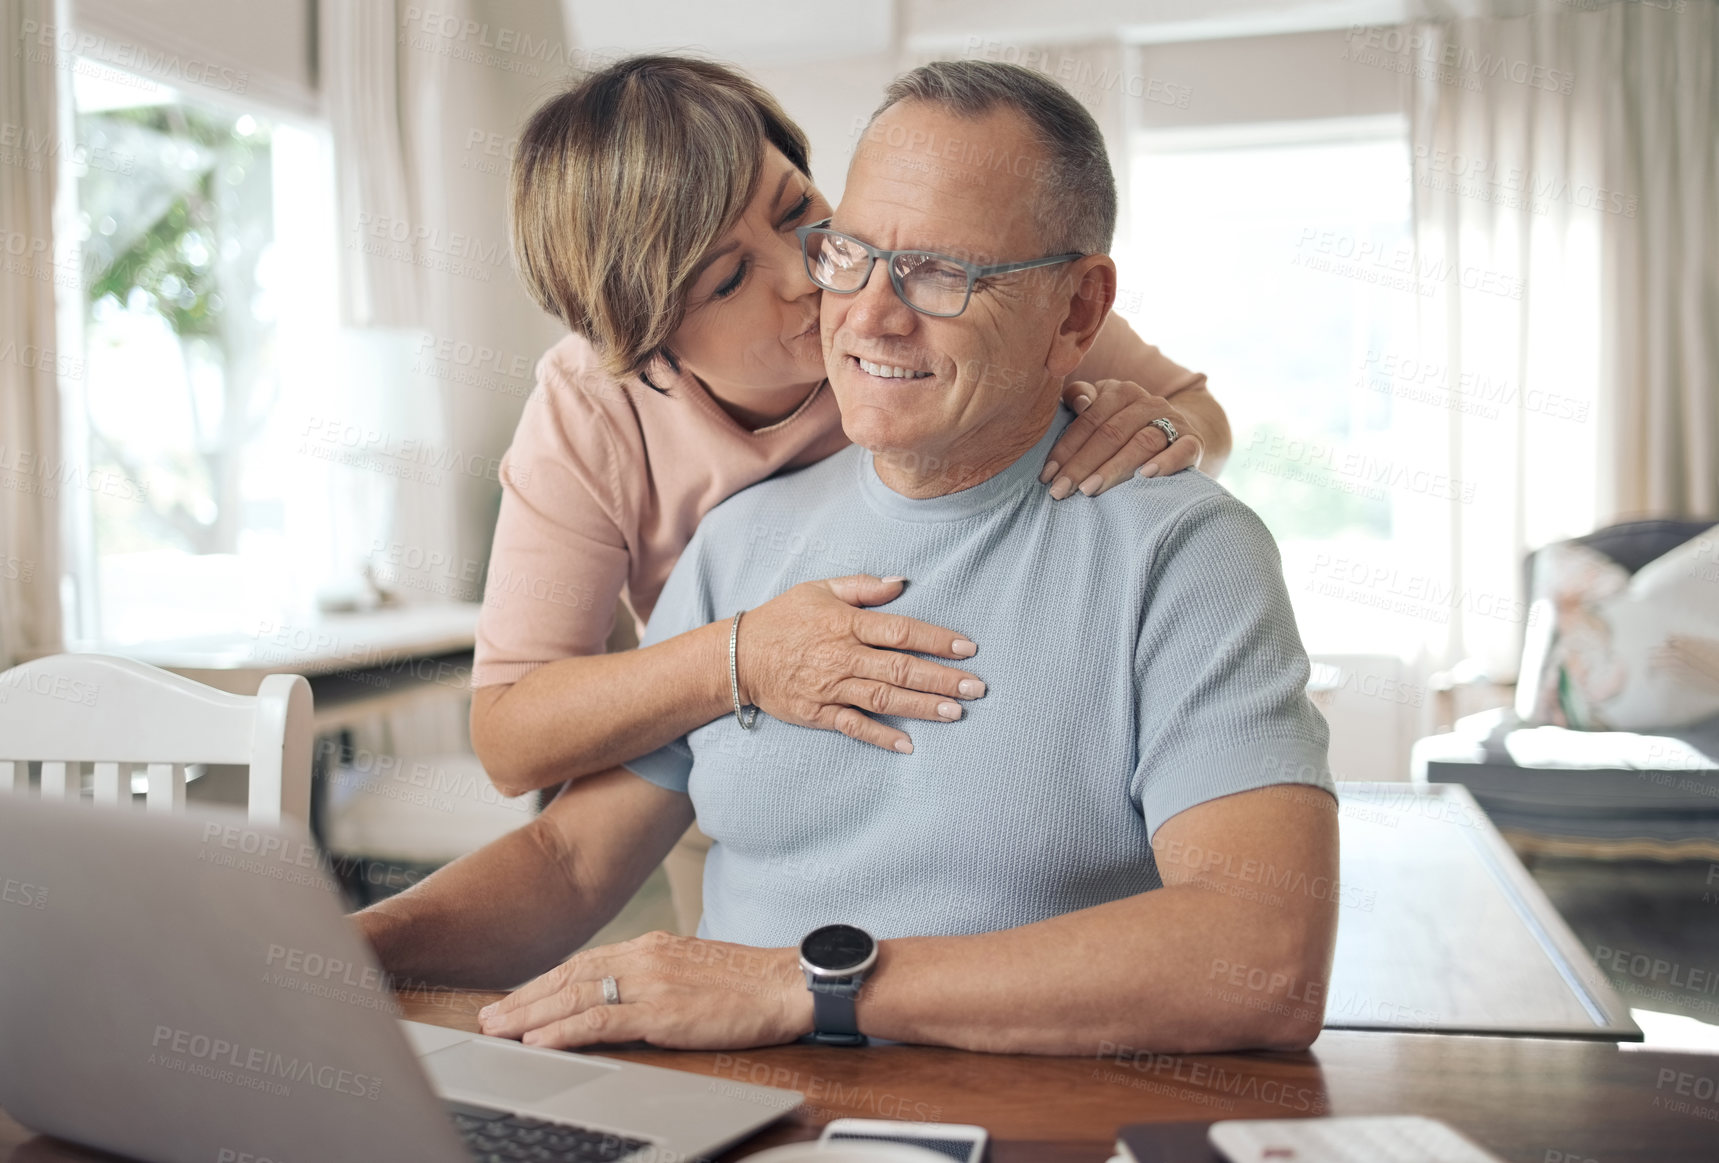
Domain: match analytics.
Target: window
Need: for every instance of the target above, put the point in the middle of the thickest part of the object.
(1256, 258)
(207, 277)
(1281, 260)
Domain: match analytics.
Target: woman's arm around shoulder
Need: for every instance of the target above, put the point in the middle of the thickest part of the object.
(1129, 385)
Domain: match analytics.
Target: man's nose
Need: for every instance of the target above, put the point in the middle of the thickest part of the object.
(875, 309)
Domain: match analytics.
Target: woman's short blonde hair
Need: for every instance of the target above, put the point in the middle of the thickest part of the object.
(621, 185)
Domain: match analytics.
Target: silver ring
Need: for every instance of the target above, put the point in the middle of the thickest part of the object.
(611, 992)
(1168, 429)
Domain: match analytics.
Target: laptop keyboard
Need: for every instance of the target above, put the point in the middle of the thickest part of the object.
(495, 1136)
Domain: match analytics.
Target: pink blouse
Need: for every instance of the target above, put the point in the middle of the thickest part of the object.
(606, 480)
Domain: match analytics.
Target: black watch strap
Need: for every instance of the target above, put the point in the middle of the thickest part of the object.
(833, 1016)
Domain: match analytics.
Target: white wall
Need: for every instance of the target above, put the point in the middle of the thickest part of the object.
(945, 25)
(1289, 77)
(831, 100)
(242, 51)
(747, 32)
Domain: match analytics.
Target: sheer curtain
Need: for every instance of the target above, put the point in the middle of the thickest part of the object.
(381, 95)
(1564, 184)
(362, 76)
(36, 259)
(425, 102)
(1661, 393)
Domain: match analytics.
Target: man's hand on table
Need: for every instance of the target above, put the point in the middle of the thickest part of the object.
(681, 993)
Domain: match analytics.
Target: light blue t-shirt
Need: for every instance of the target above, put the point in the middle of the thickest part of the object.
(1140, 656)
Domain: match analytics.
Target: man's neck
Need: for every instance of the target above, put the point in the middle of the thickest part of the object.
(975, 459)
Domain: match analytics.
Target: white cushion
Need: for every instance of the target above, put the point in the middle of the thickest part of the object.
(1625, 653)
(1665, 635)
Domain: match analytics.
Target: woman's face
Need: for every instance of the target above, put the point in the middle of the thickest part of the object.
(751, 326)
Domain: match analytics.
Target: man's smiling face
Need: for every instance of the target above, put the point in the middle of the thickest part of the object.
(927, 387)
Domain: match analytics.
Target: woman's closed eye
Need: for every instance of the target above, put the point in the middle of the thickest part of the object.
(732, 283)
(796, 212)
(790, 220)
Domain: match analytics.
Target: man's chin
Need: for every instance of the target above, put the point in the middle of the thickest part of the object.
(903, 398)
(874, 425)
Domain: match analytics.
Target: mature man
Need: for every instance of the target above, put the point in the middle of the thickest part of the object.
(1140, 804)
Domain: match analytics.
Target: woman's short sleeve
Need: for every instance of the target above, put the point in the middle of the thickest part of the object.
(1119, 354)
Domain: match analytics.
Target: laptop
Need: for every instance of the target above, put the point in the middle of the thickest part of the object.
(186, 987)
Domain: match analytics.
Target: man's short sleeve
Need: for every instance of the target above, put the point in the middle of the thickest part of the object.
(685, 604)
(1221, 671)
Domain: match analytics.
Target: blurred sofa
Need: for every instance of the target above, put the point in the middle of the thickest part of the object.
(1606, 794)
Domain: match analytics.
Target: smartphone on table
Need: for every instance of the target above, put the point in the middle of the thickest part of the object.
(961, 1142)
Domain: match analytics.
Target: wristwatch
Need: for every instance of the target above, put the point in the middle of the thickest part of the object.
(836, 959)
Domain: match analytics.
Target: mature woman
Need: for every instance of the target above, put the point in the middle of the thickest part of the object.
(654, 207)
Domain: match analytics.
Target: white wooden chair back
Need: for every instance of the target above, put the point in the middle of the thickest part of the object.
(70, 709)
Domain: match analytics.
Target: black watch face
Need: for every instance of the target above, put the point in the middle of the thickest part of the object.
(834, 948)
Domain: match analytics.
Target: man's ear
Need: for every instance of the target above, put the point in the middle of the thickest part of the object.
(1091, 285)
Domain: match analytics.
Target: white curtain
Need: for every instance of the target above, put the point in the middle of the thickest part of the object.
(1661, 391)
(423, 102)
(361, 80)
(1564, 190)
(35, 259)
(378, 94)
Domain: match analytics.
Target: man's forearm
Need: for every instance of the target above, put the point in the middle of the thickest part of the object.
(1156, 971)
(1150, 972)
(521, 904)
(489, 920)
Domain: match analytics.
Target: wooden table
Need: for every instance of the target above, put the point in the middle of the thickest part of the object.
(1530, 1100)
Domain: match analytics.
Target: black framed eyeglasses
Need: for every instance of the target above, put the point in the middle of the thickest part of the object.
(930, 283)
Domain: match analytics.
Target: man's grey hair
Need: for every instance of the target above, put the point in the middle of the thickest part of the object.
(1075, 208)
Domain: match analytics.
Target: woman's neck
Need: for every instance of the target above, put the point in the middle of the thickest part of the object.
(755, 411)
